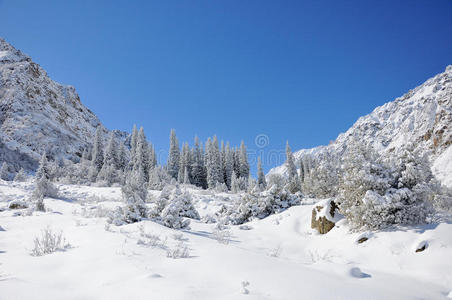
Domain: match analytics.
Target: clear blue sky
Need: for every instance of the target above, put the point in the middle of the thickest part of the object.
(302, 71)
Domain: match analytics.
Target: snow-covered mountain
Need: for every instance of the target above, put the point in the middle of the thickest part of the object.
(38, 114)
(422, 116)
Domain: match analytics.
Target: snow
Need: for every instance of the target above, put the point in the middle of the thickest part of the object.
(280, 256)
(442, 167)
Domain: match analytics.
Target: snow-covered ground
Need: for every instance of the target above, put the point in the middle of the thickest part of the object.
(281, 256)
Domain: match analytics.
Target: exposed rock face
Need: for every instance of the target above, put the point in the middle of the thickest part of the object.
(323, 216)
(423, 116)
(37, 114)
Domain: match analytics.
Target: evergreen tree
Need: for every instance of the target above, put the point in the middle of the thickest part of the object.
(198, 168)
(141, 159)
(174, 155)
(236, 160)
(243, 159)
(214, 174)
(133, 143)
(186, 177)
(4, 173)
(152, 157)
(122, 157)
(260, 174)
(228, 165)
(290, 163)
(20, 176)
(110, 157)
(43, 186)
(235, 184)
(98, 154)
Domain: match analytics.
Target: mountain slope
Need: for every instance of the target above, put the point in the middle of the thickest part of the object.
(38, 114)
(422, 116)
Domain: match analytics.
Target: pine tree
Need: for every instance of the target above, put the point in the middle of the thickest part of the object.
(290, 163)
(134, 193)
(141, 159)
(20, 176)
(4, 173)
(260, 174)
(236, 161)
(152, 157)
(214, 174)
(122, 157)
(43, 186)
(235, 185)
(98, 154)
(243, 159)
(174, 155)
(133, 142)
(302, 171)
(110, 157)
(198, 168)
(186, 177)
(228, 165)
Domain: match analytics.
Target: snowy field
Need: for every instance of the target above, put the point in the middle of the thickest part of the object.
(279, 257)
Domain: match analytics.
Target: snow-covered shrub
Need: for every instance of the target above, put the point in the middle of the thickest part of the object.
(39, 204)
(49, 242)
(180, 251)
(178, 209)
(276, 180)
(20, 176)
(150, 240)
(158, 179)
(376, 191)
(221, 188)
(320, 176)
(134, 193)
(17, 204)
(43, 186)
(222, 234)
(4, 171)
(158, 204)
(260, 205)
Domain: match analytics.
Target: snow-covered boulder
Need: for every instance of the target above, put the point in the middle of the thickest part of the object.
(324, 216)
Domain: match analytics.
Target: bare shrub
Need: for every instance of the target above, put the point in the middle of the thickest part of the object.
(49, 242)
(180, 251)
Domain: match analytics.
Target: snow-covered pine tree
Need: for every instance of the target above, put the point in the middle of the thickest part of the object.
(173, 156)
(122, 157)
(302, 171)
(228, 165)
(152, 157)
(4, 172)
(235, 184)
(184, 163)
(236, 160)
(141, 159)
(186, 176)
(260, 174)
(133, 144)
(20, 176)
(43, 186)
(134, 194)
(198, 168)
(98, 153)
(214, 174)
(108, 172)
(243, 159)
(290, 163)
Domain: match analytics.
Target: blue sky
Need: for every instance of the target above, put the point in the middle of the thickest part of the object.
(302, 71)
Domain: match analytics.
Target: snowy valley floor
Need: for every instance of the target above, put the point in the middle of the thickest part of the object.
(281, 256)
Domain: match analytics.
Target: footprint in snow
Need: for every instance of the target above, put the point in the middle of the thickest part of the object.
(357, 273)
(155, 275)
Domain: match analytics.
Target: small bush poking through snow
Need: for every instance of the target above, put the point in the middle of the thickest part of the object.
(49, 242)
(180, 251)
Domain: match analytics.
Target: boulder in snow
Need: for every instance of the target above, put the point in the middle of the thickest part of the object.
(323, 216)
